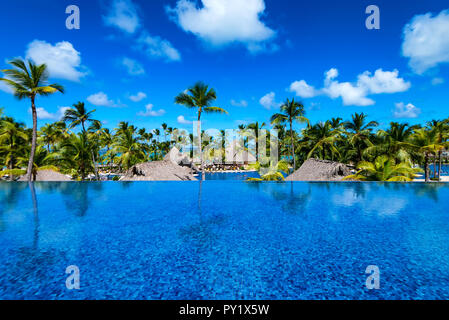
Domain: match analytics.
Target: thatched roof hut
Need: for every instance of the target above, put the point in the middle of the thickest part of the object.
(159, 171)
(320, 170)
(49, 176)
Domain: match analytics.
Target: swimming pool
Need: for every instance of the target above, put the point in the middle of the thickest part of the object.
(224, 240)
(239, 176)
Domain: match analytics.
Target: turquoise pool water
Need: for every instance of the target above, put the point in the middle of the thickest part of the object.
(224, 240)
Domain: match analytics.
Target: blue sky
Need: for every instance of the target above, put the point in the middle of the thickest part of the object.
(130, 59)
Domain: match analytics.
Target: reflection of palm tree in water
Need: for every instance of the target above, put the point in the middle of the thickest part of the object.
(430, 190)
(294, 202)
(200, 234)
(36, 215)
(77, 200)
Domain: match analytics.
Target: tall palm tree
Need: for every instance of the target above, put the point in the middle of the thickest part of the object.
(360, 133)
(30, 81)
(200, 97)
(78, 115)
(291, 111)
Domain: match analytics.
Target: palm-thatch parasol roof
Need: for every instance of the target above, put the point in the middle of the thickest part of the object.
(49, 176)
(158, 171)
(320, 170)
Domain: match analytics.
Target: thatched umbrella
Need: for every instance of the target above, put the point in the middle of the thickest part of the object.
(320, 170)
(49, 176)
(159, 171)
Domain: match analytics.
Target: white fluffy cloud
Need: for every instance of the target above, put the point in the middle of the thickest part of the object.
(268, 101)
(123, 15)
(62, 60)
(138, 97)
(354, 94)
(382, 82)
(149, 112)
(241, 103)
(156, 47)
(350, 94)
(100, 99)
(43, 114)
(221, 22)
(133, 67)
(406, 111)
(426, 41)
(182, 120)
(302, 89)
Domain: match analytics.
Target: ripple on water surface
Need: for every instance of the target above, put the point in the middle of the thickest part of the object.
(224, 240)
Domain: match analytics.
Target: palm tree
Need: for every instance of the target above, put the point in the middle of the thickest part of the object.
(128, 148)
(200, 97)
(51, 133)
(425, 141)
(321, 140)
(360, 133)
(106, 141)
(43, 160)
(191, 139)
(395, 141)
(29, 82)
(256, 127)
(384, 169)
(164, 127)
(76, 155)
(442, 131)
(13, 139)
(291, 111)
(94, 132)
(78, 115)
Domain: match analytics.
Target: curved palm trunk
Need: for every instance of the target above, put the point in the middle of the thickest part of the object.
(426, 168)
(198, 129)
(439, 165)
(293, 146)
(29, 175)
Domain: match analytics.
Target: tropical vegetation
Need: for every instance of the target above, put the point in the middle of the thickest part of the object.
(80, 146)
